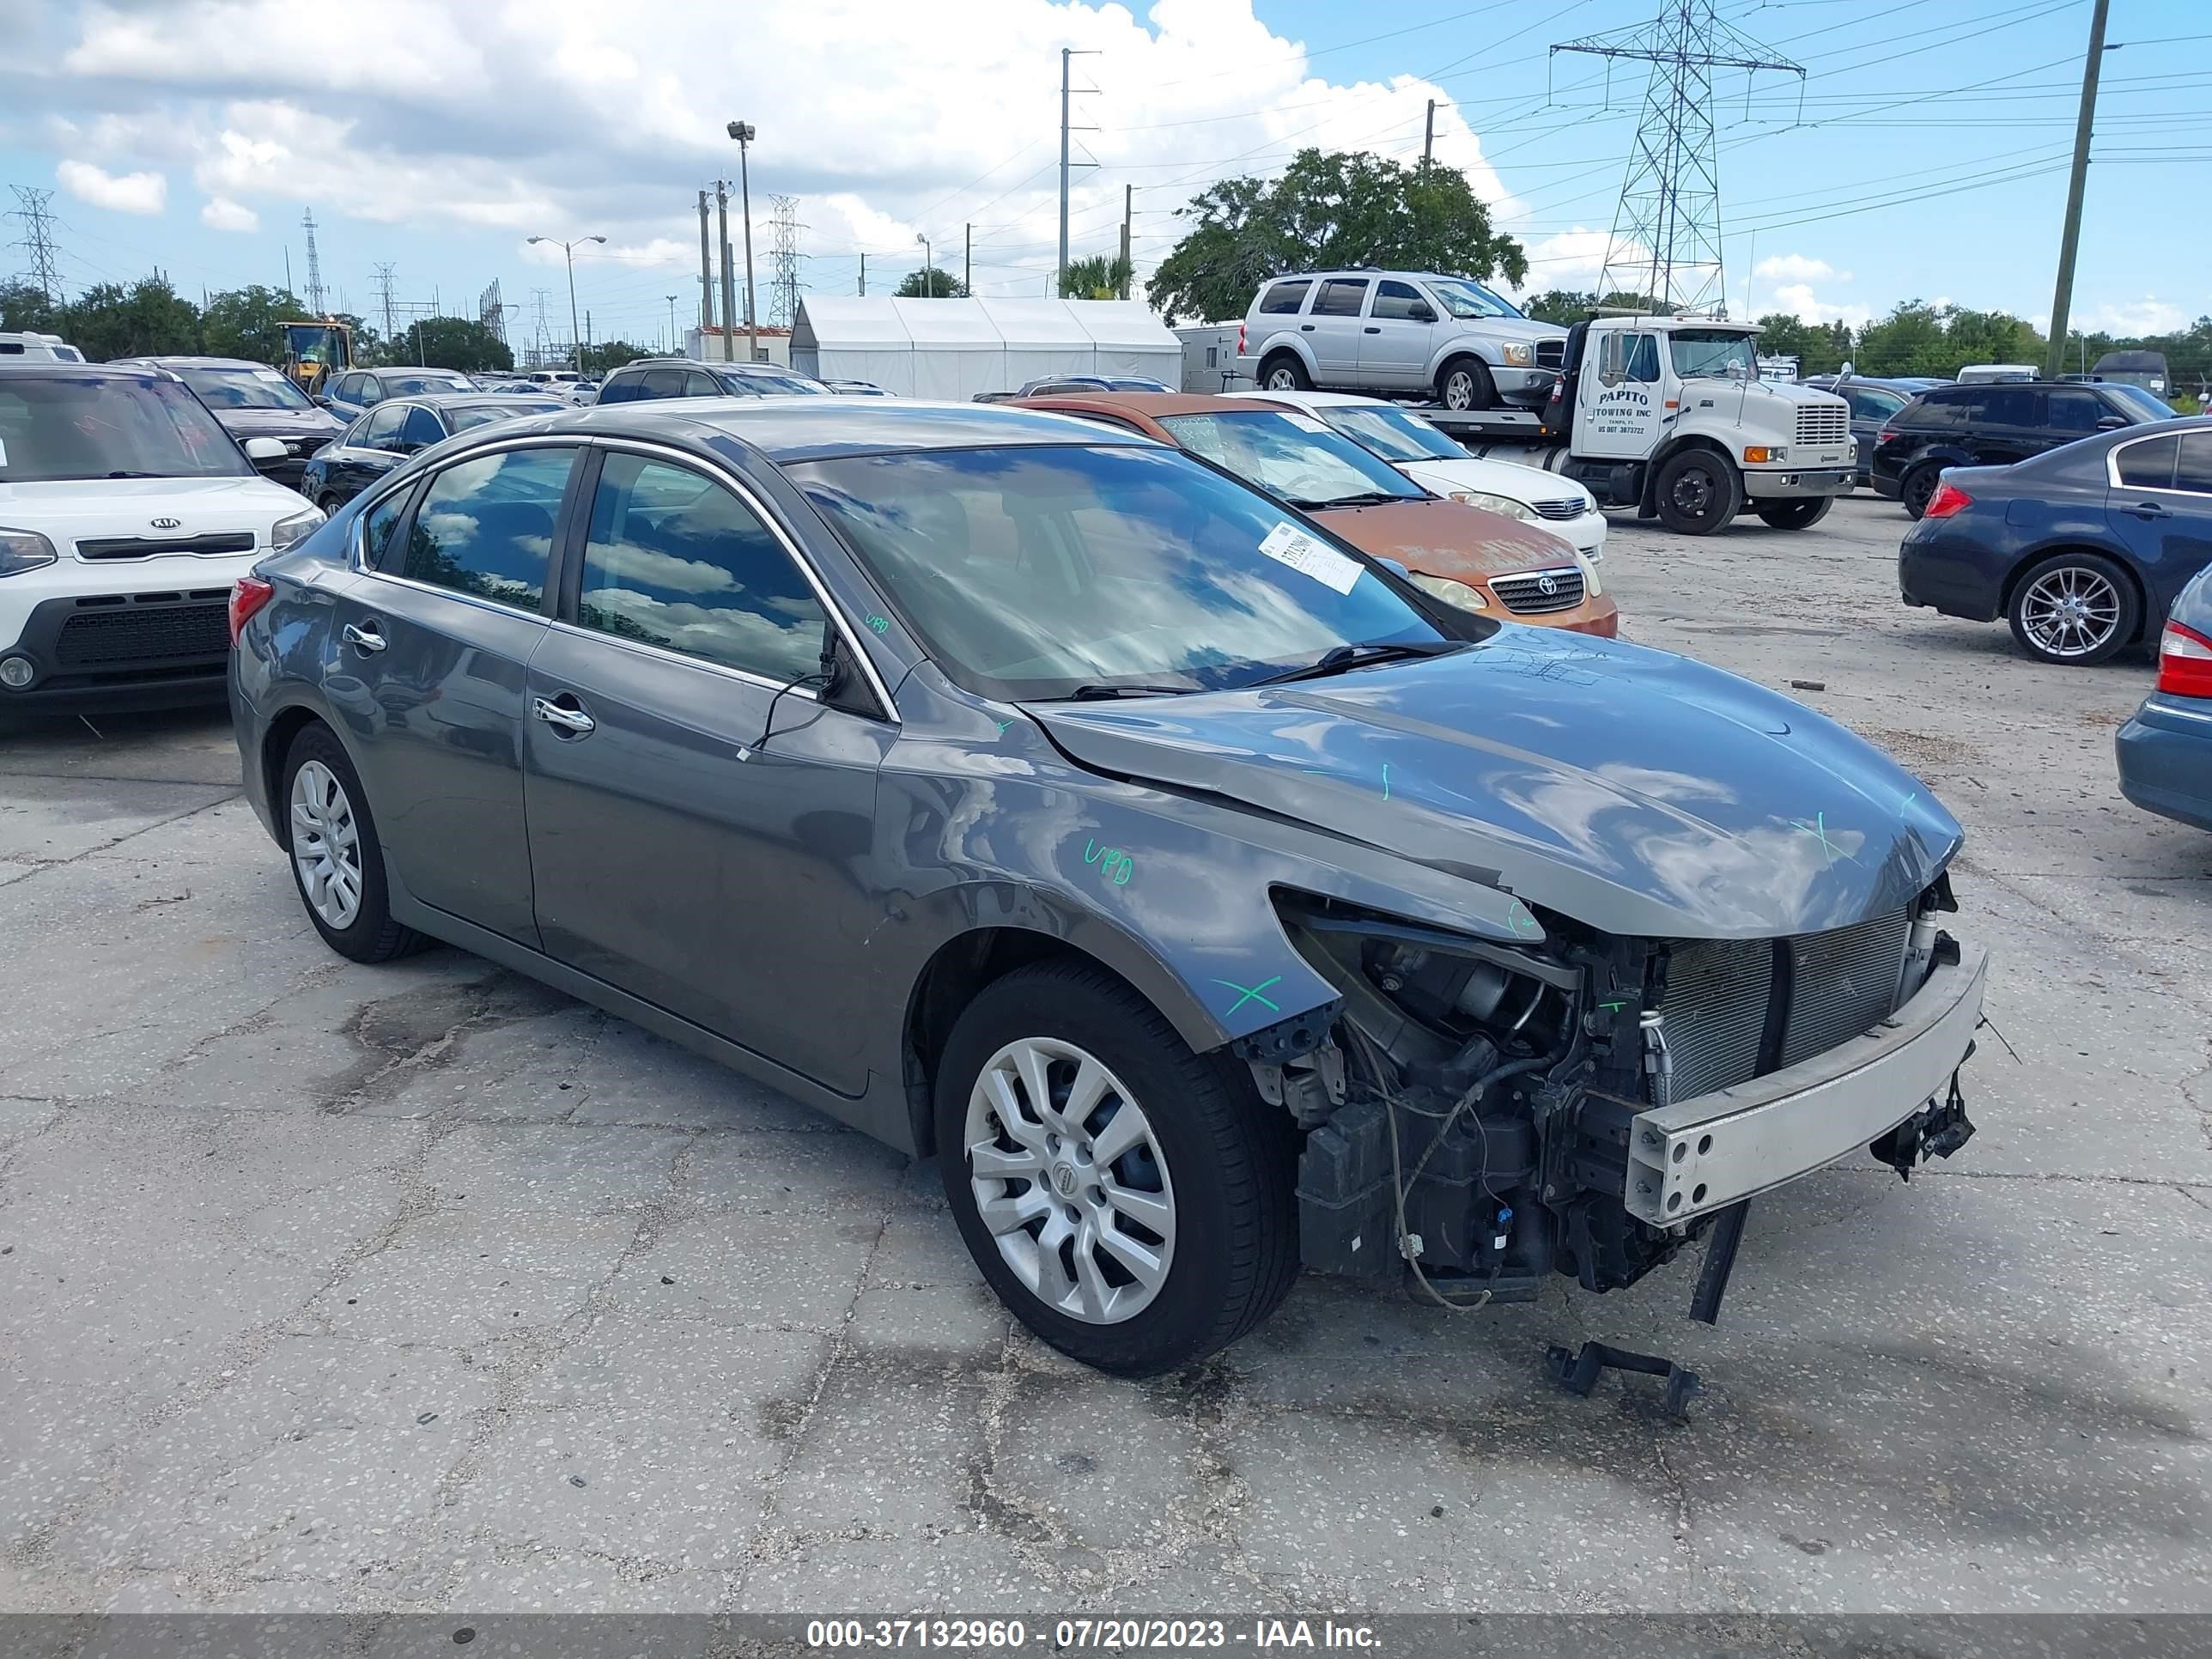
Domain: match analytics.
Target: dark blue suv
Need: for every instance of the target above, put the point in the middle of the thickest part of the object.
(2081, 549)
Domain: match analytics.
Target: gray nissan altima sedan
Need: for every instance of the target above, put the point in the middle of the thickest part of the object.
(1205, 896)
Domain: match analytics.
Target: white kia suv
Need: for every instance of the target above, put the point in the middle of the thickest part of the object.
(1433, 460)
(127, 512)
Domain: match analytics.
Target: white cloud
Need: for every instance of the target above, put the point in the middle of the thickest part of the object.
(2149, 315)
(128, 192)
(220, 213)
(1797, 267)
(1799, 301)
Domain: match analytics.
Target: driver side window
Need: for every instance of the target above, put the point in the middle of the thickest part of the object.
(1644, 359)
(381, 429)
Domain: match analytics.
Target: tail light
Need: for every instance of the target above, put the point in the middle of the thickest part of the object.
(2185, 662)
(1948, 499)
(1886, 434)
(1240, 339)
(248, 595)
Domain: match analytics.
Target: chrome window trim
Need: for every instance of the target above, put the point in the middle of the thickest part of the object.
(2113, 481)
(542, 440)
(715, 472)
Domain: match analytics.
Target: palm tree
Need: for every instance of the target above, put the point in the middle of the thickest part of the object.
(1100, 276)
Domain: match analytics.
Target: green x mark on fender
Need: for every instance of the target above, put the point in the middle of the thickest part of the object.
(1251, 994)
(1818, 830)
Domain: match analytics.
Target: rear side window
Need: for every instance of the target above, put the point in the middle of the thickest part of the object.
(377, 525)
(2194, 472)
(622, 390)
(485, 526)
(2149, 464)
(2011, 405)
(661, 383)
(674, 560)
(381, 430)
(1341, 296)
(1947, 412)
(1284, 298)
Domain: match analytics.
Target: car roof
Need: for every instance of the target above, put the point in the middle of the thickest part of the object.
(809, 428)
(50, 366)
(1308, 399)
(180, 360)
(459, 400)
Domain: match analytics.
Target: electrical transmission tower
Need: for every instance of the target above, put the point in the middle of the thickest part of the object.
(1666, 240)
(540, 351)
(384, 296)
(491, 312)
(314, 267)
(38, 240)
(783, 261)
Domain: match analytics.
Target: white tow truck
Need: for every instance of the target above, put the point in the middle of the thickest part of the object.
(1670, 416)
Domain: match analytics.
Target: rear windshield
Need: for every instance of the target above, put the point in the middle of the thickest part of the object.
(400, 383)
(462, 417)
(54, 428)
(243, 388)
(756, 385)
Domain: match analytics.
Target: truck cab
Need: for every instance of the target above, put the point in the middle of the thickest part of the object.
(1671, 415)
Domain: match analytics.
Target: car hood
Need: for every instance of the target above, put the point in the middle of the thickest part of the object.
(316, 423)
(71, 509)
(1637, 791)
(1507, 328)
(1507, 478)
(1449, 538)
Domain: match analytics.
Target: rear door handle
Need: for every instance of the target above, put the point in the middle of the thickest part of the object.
(568, 717)
(2149, 510)
(1371, 330)
(1305, 328)
(364, 636)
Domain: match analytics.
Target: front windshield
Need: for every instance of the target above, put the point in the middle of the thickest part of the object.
(1030, 571)
(397, 384)
(54, 428)
(2153, 407)
(244, 388)
(1392, 433)
(1713, 354)
(311, 342)
(1464, 299)
(461, 416)
(1291, 455)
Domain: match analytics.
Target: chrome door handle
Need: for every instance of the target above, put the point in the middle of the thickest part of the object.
(367, 638)
(574, 720)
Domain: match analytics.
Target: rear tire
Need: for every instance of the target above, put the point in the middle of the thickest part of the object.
(330, 503)
(1696, 492)
(337, 862)
(1795, 515)
(1205, 1168)
(1283, 372)
(2073, 609)
(1464, 384)
(1918, 488)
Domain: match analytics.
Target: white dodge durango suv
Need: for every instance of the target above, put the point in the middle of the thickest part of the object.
(127, 512)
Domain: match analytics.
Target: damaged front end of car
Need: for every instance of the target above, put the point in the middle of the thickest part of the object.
(1478, 1115)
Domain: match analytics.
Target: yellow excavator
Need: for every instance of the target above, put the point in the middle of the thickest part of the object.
(313, 351)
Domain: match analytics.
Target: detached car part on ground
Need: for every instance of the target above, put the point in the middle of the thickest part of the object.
(1206, 898)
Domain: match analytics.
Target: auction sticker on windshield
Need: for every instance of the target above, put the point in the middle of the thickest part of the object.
(1288, 545)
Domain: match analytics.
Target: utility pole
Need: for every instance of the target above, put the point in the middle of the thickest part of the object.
(1066, 53)
(568, 253)
(706, 277)
(1429, 136)
(744, 132)
(729, 293)
(671, 322)
(863, 276)
(1666, 239)
(968, 259)
(1128, 219)
(928, 268)
(2062, 299)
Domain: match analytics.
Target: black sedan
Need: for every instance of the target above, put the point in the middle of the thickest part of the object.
(253, 400)
(2082, 549)
(400, 428)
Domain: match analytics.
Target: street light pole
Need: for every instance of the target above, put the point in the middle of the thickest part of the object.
(568, 255)
(928, 270)
(743, 131)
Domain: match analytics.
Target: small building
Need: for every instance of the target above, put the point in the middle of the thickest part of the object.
(705, 345)
(959, 348)
(1209, 358)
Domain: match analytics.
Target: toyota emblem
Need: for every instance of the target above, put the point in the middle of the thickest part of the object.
(1547, 584)
(168, 524)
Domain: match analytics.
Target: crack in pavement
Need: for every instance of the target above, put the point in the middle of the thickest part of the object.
(39, 865)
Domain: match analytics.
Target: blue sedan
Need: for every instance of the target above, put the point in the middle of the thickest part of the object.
(2166, 750)
(2082, 549)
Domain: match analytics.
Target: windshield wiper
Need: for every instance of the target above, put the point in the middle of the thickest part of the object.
(1097, 693)
(1338, 658)
(1365, 498)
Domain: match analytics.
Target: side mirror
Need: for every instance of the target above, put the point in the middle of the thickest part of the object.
(1421, 312)
(259, 450)
(321, 400)
(2111, 423)
(1396, 567)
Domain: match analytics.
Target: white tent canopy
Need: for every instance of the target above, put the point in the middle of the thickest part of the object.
(956, 348)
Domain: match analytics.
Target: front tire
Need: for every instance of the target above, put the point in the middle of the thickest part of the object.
(2074, 609)
(1464, 384)
(337, 862)
(1918, 488)
(1697, 493)
(329, 501)
(1795, 515)
(1283, 373)
(1131, 1201)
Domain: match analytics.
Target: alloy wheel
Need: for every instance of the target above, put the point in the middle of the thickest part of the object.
(1281, 379)
(2071, 611)
(325, 845)
(1069, 1179)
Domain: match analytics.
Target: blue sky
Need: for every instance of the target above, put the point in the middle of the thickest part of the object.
(1927, 159)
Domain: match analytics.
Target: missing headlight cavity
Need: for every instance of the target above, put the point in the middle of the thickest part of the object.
(1468, 1105)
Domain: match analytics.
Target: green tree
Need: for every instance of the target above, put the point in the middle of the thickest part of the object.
(610, 354)
(24, 305)
(244, 322)
(1819, 348)
(930, 283)
(149, 319)
(1100, 276)
(461, 343)
(1327, 210)
(1563, 305)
